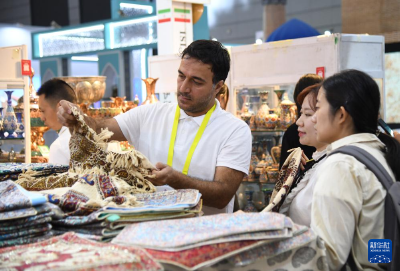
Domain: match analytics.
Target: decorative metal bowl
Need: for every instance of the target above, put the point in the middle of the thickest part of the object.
(88, 89)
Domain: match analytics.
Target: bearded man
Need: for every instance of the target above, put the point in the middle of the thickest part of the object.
(193, 144)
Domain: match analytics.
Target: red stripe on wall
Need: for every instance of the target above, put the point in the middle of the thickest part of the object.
(164, 20)
(182, 20)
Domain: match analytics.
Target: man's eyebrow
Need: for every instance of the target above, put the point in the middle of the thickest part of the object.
(198, 78)
(194, 77)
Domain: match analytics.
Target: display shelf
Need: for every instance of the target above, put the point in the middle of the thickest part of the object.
(260, 107)
(11, 141)
(11, 78)
(266, 132)
(284, 62)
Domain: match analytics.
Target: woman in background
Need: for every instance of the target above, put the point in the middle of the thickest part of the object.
(297, 204)
(348, 200)
(290, 139)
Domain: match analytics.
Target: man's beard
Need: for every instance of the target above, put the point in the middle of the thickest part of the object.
(199, 106)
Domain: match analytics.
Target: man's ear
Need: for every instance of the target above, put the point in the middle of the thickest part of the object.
(218, 86)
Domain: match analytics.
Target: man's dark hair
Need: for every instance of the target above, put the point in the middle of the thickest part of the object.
(213, 53)
(56, 90)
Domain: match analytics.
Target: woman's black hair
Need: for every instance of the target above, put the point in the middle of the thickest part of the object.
(359, 95)
(313, 92)
(306, 80)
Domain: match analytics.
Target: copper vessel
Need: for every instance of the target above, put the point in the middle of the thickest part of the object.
(150, 88)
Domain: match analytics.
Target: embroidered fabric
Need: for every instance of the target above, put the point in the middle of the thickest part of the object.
(304, 251)
(38, 229)
(94, 217)
(16, 202)
(9, 216)
(90, 231)
(33, 182)
(28, 239)
(195, 258)
(15, 225)
(70, 252)
(89, 156)
(287, 175)
(180, 234)
(13, 197)
(303, 182)
(96, 177)
(105, 224)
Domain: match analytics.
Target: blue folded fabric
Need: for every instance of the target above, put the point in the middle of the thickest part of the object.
(13, 197)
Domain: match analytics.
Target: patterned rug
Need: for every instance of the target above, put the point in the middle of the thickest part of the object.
(195, 258)
(70, 252)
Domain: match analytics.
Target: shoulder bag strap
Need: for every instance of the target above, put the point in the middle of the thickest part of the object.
(369, 161)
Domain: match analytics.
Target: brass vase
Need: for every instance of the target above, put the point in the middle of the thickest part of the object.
(150, 88)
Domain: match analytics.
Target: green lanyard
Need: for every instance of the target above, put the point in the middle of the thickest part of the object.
(195, 141)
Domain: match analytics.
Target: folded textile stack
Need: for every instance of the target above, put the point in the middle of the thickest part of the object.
(24, 216)
(106, 223)
(70, 252)
(303, 251)
(159, 205)
(204, 241)
(12, 170)
(96, 226)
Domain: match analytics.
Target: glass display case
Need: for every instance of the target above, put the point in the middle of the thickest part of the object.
(268, 111)
(14, 122)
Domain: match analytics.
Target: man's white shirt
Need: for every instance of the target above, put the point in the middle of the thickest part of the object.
(226, 140)
(59, 149)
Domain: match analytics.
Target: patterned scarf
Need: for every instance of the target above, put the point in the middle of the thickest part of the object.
(287, 175)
